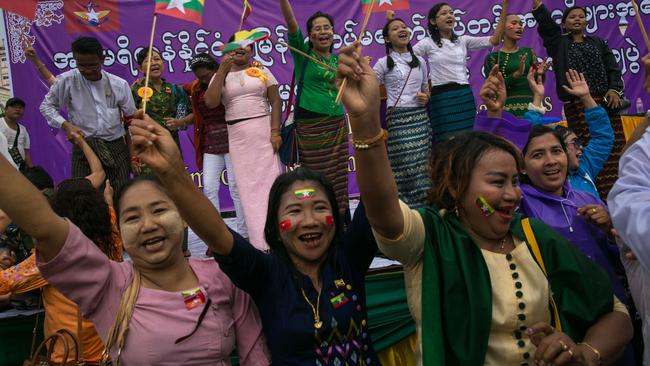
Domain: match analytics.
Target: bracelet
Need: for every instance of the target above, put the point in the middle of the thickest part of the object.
(275, 135)
(594, 350)
(275, 129)
(534, 108)
(367, 144)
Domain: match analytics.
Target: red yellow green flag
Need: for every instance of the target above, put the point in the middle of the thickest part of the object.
(247, 10)
(190, 10)
(385, 5)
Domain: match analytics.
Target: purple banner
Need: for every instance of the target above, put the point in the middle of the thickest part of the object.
(128, 25)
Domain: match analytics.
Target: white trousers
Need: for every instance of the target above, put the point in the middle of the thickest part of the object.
(213, 165)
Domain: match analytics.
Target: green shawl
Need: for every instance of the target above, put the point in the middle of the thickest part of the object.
(457, 294)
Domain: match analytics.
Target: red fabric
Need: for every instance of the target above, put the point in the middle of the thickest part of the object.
(387, 5)
(102, 16)
(24, 8)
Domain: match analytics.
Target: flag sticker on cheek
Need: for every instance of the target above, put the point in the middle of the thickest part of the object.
(329, 220)
(484, 206)
(285, 225)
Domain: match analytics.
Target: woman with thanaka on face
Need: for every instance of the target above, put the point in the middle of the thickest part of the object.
(474, 287)
(548, 195)
(590, 55)
(514, 64)
(247, 91)
(310, 288)
(451, 106)
(409, 132)
(159, 309)
(321, 130)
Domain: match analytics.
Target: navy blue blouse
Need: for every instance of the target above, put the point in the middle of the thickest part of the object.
(288, 319)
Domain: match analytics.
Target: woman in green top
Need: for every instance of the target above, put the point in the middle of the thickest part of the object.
(514, 63)
(321, 129)
(484, 285)
(164, 104)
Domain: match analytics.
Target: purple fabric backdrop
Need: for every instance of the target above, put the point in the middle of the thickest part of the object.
(180, 40)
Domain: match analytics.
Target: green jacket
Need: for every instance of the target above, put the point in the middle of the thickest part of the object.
(457, 294)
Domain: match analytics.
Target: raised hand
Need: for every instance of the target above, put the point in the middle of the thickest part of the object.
(578, 86)
(154, 145)
(361, 96)
(493, 92)
(522, 66)
(536, 82)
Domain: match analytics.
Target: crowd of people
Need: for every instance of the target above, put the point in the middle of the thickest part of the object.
(520, 243)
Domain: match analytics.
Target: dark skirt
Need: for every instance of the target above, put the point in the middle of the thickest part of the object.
(451, 112)
(409, 150)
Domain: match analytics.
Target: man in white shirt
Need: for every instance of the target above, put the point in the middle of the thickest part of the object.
(15, 133)
(95, 101)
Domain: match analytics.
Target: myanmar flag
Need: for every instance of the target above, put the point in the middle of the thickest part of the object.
(190, 10)
(385, 5)
(24, 8)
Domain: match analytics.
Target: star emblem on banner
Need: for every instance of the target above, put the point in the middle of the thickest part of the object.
(382, 2)
(180, 5)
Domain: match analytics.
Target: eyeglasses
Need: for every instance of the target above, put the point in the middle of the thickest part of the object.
(576, 143)
(325, 28)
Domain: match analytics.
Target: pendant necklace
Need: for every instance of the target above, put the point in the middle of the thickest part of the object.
(314, 309)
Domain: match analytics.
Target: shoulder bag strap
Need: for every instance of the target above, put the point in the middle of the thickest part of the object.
(530, 238)
(300, 80)
(390, 112)
(40, 302)
(17, 134)
(80, 348)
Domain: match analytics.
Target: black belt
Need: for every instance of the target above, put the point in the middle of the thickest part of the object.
(438, 89)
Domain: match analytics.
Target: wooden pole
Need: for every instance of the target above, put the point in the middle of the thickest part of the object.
(303, 54)
(339, 95)
(146, 77)
(638, 20)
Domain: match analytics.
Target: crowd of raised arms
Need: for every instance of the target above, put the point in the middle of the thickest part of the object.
(520, 243)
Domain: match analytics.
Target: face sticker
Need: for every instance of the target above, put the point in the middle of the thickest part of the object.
(510, 26)
(329, 220)
(285, 225)
(484, 206)
(305, 193)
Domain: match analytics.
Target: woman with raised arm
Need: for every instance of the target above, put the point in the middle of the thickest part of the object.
(159, 309)
(310, 288)
(409, 132)
(481, 280)
(249, 93)
(321, 129)
(452, 107)
(590, 55)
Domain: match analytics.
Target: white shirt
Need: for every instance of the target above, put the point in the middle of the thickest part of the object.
(4, 150)
(448, 64)
(10, 134)
(394, 79)
(110, 96)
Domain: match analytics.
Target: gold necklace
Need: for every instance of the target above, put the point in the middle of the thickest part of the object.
(314, 309)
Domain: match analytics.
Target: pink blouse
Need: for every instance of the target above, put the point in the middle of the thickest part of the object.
(86, 276)
(245, 96)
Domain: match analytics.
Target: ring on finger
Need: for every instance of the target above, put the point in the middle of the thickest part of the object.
(593, 210)
(570, 352)
(564, 346)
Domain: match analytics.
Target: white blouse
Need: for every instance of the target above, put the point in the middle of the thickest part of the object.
(395, 79)
(448, 64)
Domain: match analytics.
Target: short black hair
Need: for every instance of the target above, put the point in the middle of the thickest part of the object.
(568, 11)
(87, 46)
(310, 23)
(39, 177)
(142, 55)
(15, 101)
(203, 60)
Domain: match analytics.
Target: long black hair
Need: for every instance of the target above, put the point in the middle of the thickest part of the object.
(282, 185)
(84, 205)
(389, 61)
(310, 23)
(433, 29)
